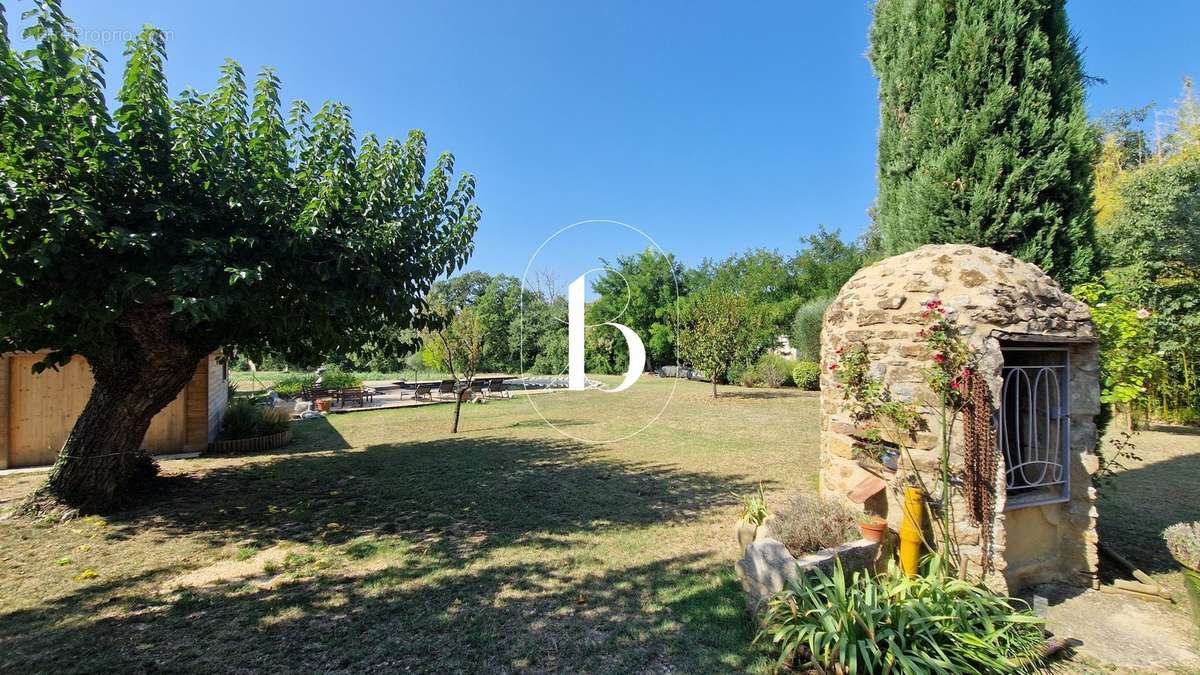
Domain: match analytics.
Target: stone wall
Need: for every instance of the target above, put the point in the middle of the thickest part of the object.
(996, 299)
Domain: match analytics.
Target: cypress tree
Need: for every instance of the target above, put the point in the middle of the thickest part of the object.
(983, 135)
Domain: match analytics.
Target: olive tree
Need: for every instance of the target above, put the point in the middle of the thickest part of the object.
(145, 238)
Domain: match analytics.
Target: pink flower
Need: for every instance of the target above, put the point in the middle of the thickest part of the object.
(939, 358)
(1143, 313)
(833, 366)
(954, 384)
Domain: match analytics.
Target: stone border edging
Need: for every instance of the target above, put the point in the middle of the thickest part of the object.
(252, 444)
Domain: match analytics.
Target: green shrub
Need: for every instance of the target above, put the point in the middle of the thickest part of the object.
(749, 378)
(773, 370)
(1185, 416)
(244, 419)
(806, 329)
(337, 378)
(291, 384)
(930, 623)
(806, 523)
(807, 375)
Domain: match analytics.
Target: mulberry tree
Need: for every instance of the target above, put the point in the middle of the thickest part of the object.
(146, 237)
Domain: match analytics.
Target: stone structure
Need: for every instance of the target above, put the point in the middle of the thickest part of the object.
(1013, 316)
(767, 567)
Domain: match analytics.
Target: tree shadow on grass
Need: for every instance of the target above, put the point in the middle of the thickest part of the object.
(682, 614)
(487, 579)
(1144, 501)
(480, 490)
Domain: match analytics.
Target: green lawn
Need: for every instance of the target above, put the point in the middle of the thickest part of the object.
(378, 541)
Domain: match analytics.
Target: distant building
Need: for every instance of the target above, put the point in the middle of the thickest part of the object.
(783, 347)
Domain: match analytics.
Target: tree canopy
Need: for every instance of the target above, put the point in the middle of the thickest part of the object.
(145, 238)
(639, 291)
(717, 327)
(983, 135)
(1147, 301)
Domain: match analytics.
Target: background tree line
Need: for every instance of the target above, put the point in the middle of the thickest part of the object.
(976, 146)
(1146, 299)
(785, 294)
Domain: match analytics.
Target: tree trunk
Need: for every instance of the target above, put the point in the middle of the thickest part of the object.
(714, 384)
(97, 466)
(458, 401)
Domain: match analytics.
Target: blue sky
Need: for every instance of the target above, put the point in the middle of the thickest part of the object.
(713, 126)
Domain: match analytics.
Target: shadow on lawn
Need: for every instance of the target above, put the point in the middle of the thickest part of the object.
(478, 490)
(454, 600)
(1142, 502)
(677, 614)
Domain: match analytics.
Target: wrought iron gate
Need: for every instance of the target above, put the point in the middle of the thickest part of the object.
(1033, 425)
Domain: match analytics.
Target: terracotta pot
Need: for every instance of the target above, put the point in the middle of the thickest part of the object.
(323, 404)
(874, 530)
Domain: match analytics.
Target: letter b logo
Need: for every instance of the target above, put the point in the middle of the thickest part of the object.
(576, 379)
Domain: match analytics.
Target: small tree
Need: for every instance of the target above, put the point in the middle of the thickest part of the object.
(146, 239)
(717, 328)
(457, 345)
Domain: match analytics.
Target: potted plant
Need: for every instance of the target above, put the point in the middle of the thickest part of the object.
(1183, 540)
(873, 528)
(875, 454)
(754, 515)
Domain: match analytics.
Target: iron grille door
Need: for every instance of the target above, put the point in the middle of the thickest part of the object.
(1034, 426)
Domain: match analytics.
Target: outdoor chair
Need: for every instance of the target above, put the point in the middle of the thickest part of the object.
(447, 387)
(314, 393)
(495, 387)
(356, 395)
(425, 390)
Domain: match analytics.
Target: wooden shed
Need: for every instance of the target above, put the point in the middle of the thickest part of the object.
(38, 411)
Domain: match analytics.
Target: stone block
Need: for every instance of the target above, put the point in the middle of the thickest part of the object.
(767, 567)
